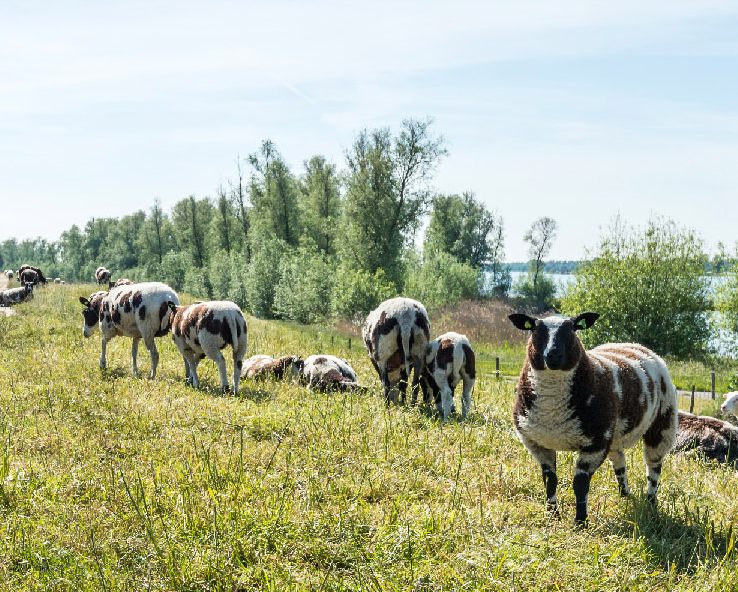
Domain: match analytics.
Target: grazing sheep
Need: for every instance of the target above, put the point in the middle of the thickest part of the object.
(597, 403)
(325, 373)
(25, 275)
(16, 295)
(120, 282)
(102, 276)
(203, 329)
(139, 311)
(262, 366)
(709, 437)
(396, 334)
(449, 359)
(730, 406)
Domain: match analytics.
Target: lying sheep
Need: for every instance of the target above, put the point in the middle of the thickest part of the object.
(709, 437)
(16, 295)
(139, 311)
(325, 373)
(262, 366)
(396, 334)
(203, 329)
(730, 405)
(449, 359)
(597, 403)
(102, 276)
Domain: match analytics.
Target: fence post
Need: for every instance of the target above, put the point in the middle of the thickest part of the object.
(712, 382)
(349, 344)
(497, 367)
(691, 401)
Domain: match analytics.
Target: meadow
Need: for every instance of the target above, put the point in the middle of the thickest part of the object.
(110, 482)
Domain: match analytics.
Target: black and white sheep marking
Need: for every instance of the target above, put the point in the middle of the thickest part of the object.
(139, 311)
(709, 437)
(204, 329)
(449, 359)
(262, 366)
(396, 334)
(102, 275)
(597, 403)
(324, 372)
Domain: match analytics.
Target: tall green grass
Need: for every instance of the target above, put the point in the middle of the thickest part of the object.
(108, 482)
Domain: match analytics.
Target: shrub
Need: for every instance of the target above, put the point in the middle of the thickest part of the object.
(442, 280)
(303, 293)
(356, 292)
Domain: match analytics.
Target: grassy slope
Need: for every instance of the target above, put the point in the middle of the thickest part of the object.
(108, 482)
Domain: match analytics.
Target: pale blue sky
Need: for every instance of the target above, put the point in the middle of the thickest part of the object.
(576, 110)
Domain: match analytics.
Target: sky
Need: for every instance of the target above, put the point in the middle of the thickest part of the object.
(579, 110)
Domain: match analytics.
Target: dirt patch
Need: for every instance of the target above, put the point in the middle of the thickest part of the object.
(5, 311)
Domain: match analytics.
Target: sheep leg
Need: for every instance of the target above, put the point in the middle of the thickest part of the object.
(447, 401)
(417, 371)
(151, 346)
(194, 361)
(547, 459)
(384, 376)
(134, 355)
(103, 360)
(657, 442)
(617, 458)
(466, 395)
(222, 370)
(402, 385)
(587, 463)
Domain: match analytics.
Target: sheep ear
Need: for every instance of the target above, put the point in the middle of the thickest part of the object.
(585, 320)
(84, 301)
(522, 322)
(172, 306)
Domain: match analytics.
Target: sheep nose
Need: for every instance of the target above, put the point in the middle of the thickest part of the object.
(553, 360)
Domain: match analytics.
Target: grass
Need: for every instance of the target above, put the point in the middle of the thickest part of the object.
(108, 482)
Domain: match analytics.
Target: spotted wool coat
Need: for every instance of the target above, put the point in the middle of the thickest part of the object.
(263, 366)
(324, 372)
(449, 359)
(708, 437)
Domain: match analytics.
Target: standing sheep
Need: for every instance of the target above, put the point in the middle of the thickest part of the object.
(396, 334)
(449, 359)
(139, 311)
(203, 329)
(102, 276)
(597, 403)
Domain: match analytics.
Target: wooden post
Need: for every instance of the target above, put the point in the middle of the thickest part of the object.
(691, 401)
(349, 343)
(712, 382)
(497, 367)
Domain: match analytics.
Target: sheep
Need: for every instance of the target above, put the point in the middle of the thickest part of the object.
(710, 437)
(396, 334)
(57, 280)
(449, 359)
(102, 276)
(595, 402)
(139, 311)
(203, 329)
(730, 406)
(262, 366)
(9, 274)
(16, 295)
(120, 282)
(325, 373)
(29, 273)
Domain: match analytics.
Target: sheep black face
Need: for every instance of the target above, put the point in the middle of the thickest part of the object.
(554, 344)
(90, 315)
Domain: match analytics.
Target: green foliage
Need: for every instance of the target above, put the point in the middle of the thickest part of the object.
(726, 298)
(538, 294)
(174, 267)
(356, 292)
(190, 219)
(263, 276)
(648, 286)
(303, 293)
(441, 279)
(320, 204)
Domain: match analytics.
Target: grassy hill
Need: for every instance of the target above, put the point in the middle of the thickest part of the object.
(109, 482)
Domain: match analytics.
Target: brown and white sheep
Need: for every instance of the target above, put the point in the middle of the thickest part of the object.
(396, 334)
(708, 437)
(730, 405)
(324, 372)
(263, 366)
(203, 329)
(120, 282)
(597, 403)
(29, 273)
(102, 276)
(16, 295)
(139, 311)
(449, 359)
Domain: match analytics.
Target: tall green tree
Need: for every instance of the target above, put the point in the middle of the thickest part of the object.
(649, 287)
(388, 190)
(320, 204)
(191, 218)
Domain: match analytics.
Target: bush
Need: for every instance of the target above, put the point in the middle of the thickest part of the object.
(303, 293)
(262, 276)
(442, 280)
(540, 296)
(174, 266)
(356, 292)
(648, 286)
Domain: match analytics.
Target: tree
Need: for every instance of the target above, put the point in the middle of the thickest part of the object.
(726, 299)
(156, 235)
(190, 218)
(387, 193)
(649, 287)
(535, 288)
(320, 204)
(238, 197)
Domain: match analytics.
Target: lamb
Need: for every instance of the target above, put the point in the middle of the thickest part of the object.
(597, 403)
(326, 373)
(16, 295)
(730, 406)
(203, 329)
(712, 438)
(396, 334)
(262, 366)
(449, 359)
(139, 311)
(102, 276)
